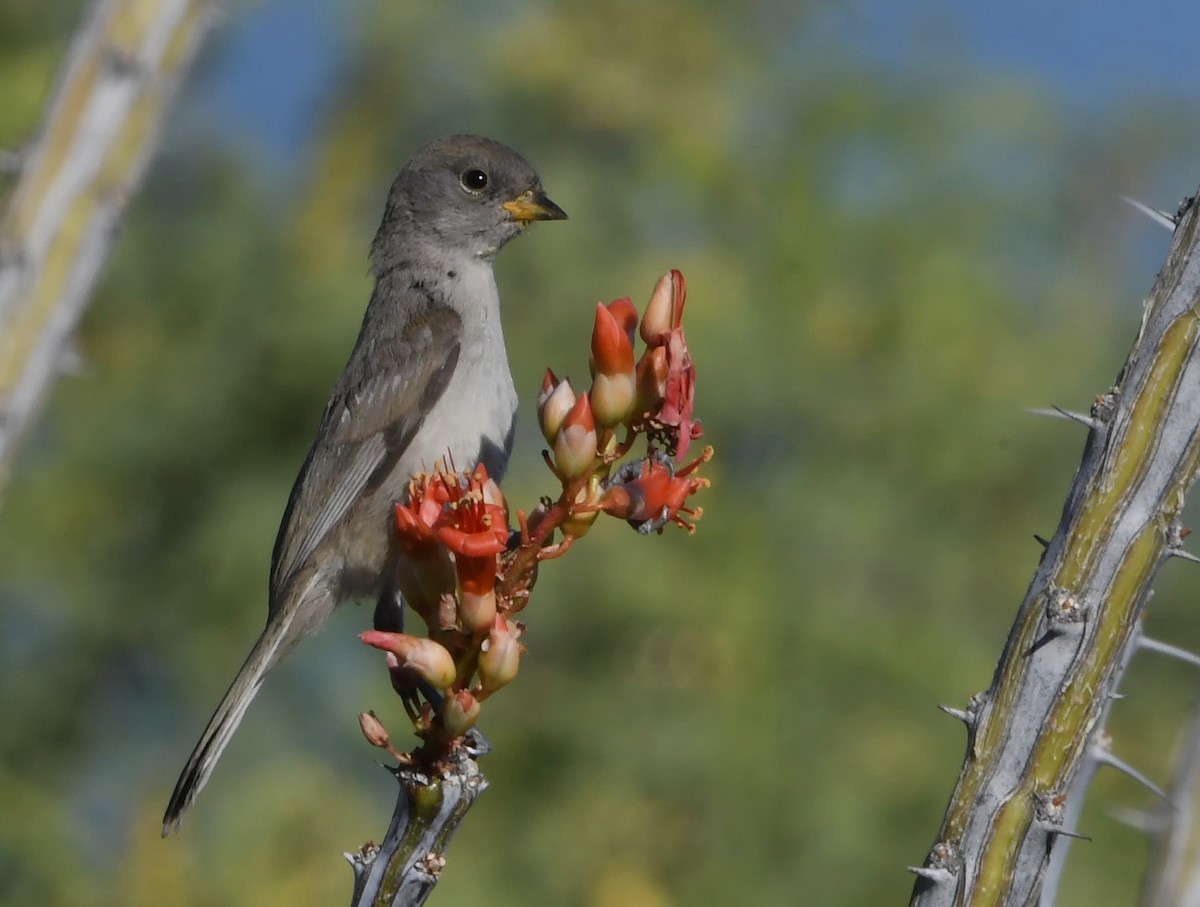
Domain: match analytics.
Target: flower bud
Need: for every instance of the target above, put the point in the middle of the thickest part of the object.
(373, 730)
(403, 682)
(499, 656)
(612, 349)
(613, 398)
(652, 372)
(626, 314)
(554, 408)
(429, 659)
(549, 382)
(664, 311)
(578, 521)
(460, 711)
(575, 446)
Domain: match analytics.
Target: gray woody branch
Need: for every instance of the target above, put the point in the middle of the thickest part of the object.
(403, 870)
(75, 180)
(1029, 734)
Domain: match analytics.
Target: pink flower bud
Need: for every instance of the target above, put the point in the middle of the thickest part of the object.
(403, 682)
(373, 730)
(554, 408)
(664, 311)
(460, 711)
(575, 446)
(430, 660)
(499, 656)
(612, 350)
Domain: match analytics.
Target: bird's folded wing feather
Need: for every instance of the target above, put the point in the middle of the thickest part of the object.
(372, 416)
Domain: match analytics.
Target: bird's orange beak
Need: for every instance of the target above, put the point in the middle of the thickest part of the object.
(531, 205)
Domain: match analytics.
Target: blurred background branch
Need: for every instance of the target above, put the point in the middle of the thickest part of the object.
(1172, 877)
(75, 180)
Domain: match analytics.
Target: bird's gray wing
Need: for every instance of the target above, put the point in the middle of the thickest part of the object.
(392, 380)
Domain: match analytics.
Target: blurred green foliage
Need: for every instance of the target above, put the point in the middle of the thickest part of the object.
(885, 270)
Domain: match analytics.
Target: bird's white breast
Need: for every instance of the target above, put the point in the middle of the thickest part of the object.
(477, 408)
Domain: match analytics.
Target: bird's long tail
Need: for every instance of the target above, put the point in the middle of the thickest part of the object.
(271, 646)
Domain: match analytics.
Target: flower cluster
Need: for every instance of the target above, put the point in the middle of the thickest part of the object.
(468, 575)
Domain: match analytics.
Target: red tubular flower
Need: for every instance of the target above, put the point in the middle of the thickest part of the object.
(473, 525)
(429, 659)
(427, 495)
(652, 493)
(575, 446)
(678, 404)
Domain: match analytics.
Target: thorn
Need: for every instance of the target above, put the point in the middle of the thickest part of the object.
(1183, 555)
(1106, 757)
(934, 874)
(1116, 697)
(1069, 834)
(1165, 648)
(1057, 412)
(1045, 543)
(1162, 218)
(965, 717)
(1138, 819)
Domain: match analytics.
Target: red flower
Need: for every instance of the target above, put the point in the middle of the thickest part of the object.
(680, 399)
(667, 381)
(467, 516)
(427, 495)
(651, 493)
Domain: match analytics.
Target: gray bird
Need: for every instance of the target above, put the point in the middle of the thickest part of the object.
(428, 377)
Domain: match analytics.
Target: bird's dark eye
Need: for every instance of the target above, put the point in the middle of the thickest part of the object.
(474, 180)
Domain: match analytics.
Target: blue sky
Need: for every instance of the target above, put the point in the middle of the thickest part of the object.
(266, 67)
